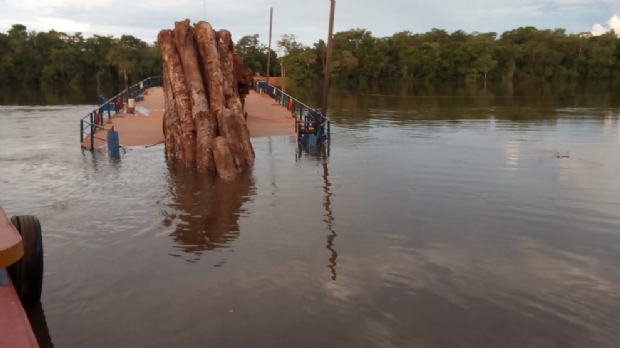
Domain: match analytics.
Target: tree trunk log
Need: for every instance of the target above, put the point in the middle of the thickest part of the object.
(206, 127)
(172, 131)
(205, 36)
(223, 159)
(241, 132)
(206, 132)
(226, 48)
(231, 123)
(184, 35)
(230, 130)
(172, 64)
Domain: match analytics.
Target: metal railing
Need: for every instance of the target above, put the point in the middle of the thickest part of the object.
(305, 115)
(89, 124)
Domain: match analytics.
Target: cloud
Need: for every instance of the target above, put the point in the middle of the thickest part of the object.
(307, 20)
(612, 24)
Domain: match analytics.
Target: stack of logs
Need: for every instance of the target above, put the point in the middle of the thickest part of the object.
(204, 125)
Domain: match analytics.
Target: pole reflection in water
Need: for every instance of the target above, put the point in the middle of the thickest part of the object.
(37, 320)
(205, 209)
(322, 154)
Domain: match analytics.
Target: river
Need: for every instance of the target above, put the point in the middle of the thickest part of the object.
(458, 221)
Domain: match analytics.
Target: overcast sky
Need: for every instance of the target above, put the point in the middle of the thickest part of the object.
(307, 19)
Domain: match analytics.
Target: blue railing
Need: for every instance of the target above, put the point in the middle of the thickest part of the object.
(312, 127)
(89, 124)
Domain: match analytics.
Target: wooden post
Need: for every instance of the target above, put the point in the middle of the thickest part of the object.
(269, 48)
(328, 57)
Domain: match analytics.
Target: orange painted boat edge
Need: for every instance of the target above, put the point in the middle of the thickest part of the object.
(11, 246)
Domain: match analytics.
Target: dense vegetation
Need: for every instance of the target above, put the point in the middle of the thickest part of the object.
(437, 56)
(359, 58)
(57, 59)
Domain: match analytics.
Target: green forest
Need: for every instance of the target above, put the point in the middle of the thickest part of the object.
(438, 56)
(359, 58)
(57, 59)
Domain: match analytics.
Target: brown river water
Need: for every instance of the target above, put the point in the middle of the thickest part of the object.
(428, 222)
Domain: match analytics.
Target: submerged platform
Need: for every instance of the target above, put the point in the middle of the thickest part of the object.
(145, 127)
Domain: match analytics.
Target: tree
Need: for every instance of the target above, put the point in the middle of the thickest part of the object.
(57, 59)
(484, 64)
(359, 58)
(255, 54)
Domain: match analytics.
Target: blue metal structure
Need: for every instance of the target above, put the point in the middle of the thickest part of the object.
(95, 119)
(311, 126)
(114, 146)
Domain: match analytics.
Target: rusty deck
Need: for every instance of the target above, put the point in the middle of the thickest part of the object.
(145, 126)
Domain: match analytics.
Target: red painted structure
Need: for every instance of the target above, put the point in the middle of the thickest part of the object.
(15, 329)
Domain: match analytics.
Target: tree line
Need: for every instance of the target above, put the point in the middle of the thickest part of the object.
(56, 59)
(359, 58)
(525, 53)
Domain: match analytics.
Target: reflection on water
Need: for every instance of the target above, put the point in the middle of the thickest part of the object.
(36, 316)
(427, 222)
(205, 210)
(322, 154)
(54, 95)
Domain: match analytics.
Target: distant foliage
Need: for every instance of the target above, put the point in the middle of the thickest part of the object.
(57, 59)
(254, 55)
(359, 58)
(438, 56)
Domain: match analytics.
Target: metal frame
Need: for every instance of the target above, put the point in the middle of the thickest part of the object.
(87, 123)
(307, 118)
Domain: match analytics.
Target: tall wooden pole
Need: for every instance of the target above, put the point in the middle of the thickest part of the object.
(269, 49)
(328, 57)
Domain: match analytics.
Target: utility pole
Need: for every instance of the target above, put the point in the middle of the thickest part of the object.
(328, 58)
(269, 49)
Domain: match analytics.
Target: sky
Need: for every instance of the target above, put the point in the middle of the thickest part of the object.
(308, 20)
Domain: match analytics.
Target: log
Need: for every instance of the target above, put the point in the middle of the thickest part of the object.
(204, 123)
(174, 69)
(237, 128)
(224, 163)
(184, 35)
(226, 47)
(231, 123)
(230, 130)
(206, 127)
(205, 36)
(172, 130)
